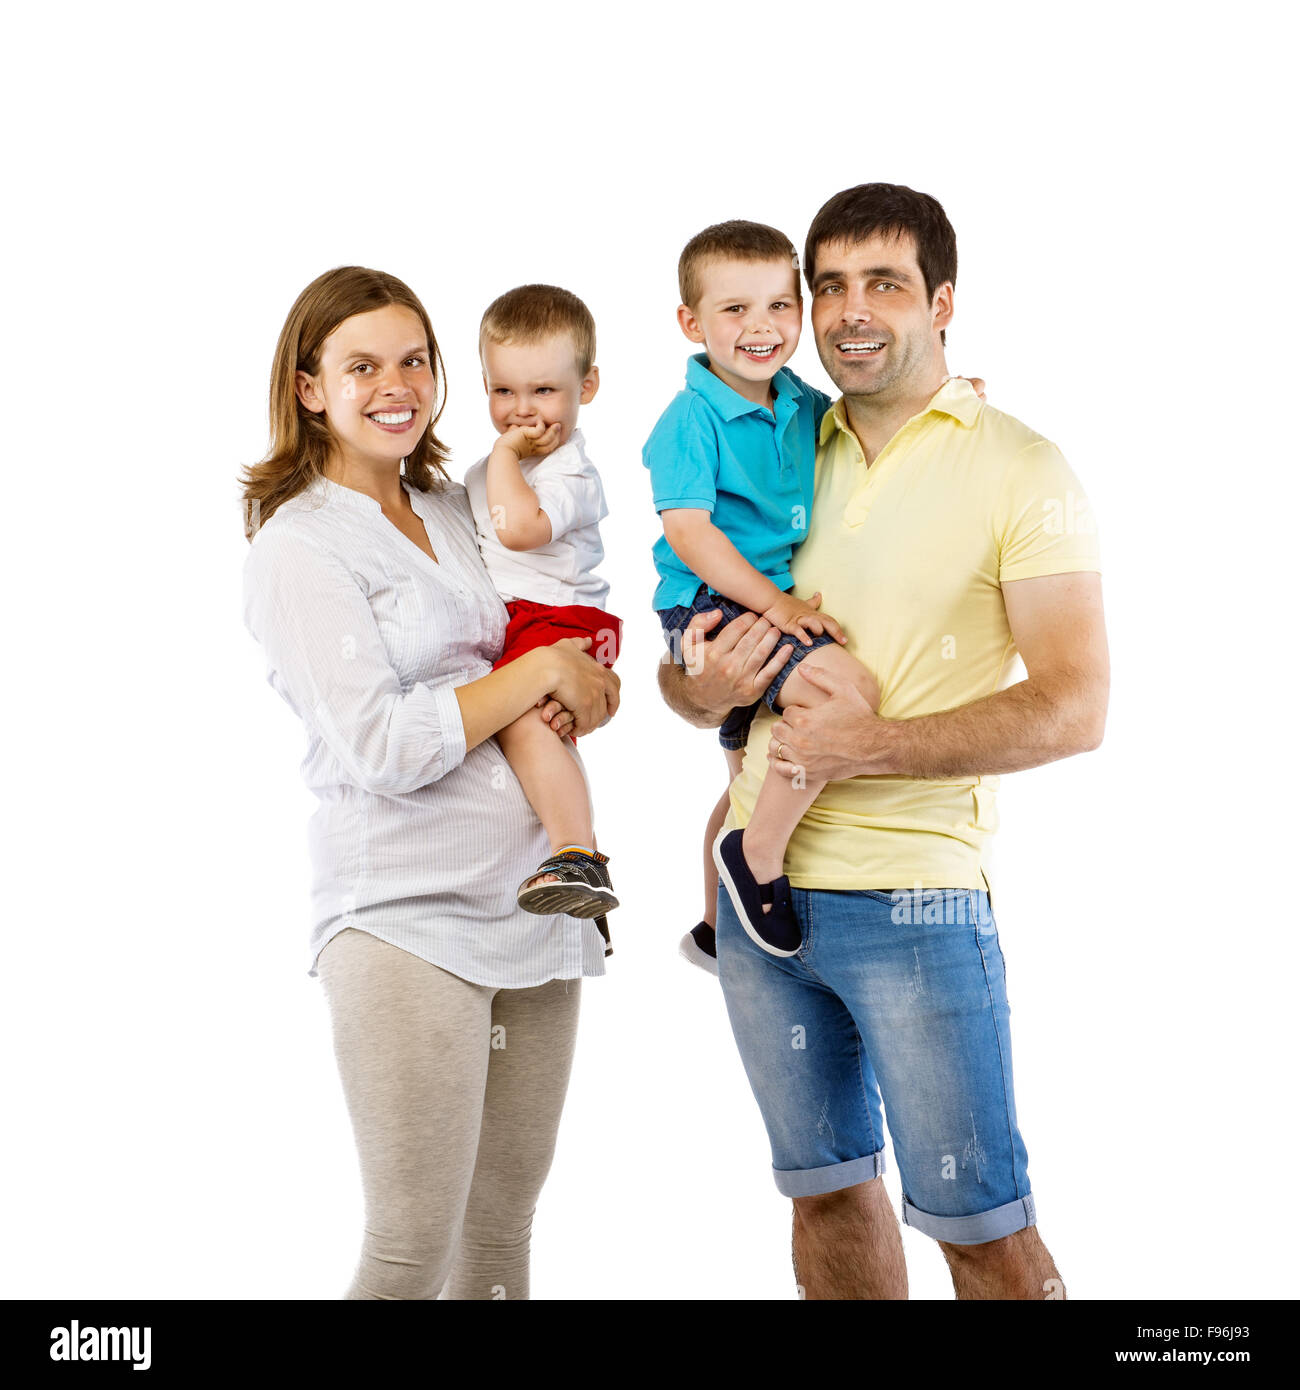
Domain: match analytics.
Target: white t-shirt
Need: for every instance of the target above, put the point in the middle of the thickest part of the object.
(414, 839)
(569, 492)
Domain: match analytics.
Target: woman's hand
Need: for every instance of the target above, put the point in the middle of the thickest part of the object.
(581, 685)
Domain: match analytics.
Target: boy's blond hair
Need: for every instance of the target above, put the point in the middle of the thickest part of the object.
(533, 313)
(731, 241)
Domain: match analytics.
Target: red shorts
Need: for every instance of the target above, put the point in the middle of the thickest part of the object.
(539, 624)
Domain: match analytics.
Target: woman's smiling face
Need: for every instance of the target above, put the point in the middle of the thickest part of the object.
(375, 385)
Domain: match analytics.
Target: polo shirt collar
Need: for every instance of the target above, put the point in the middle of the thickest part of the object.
(956, 397)
(728, 403)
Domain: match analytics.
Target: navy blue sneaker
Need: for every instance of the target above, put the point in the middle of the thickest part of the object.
(777, 932)
(700, 947)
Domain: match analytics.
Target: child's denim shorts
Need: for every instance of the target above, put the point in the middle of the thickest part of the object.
(734, 732)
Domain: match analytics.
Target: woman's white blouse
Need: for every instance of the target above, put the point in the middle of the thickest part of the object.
(414, 840)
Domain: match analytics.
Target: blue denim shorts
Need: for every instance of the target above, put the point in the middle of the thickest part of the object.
(895, 1005)
(734, 732)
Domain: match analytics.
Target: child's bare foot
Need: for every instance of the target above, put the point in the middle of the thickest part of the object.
(539, 878)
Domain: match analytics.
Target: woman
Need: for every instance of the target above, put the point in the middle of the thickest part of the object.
(454, 1012)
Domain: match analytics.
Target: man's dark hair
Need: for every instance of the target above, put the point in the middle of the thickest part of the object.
(888, 208)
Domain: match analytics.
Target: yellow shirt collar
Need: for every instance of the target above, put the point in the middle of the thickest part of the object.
(956, 397)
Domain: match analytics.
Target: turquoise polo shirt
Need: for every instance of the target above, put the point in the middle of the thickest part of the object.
(752, 468)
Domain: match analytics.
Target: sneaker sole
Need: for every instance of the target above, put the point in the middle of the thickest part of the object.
(688, 950)
(735, 902)
(577, 900)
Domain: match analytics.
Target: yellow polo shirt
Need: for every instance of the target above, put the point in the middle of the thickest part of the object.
(909, 555)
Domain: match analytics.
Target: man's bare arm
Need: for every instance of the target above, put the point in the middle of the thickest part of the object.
(733, 669)
(674, 686)
(1058, 710)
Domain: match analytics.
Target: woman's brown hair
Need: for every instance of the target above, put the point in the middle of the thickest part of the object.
(300, 439)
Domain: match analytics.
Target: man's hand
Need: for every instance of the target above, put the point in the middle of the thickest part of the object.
(977, 383)
(1058, 710)
(832, 740)
(736, 667)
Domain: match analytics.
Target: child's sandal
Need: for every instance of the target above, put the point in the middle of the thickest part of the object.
(584, 889)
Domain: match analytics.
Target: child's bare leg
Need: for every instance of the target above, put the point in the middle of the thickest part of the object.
(782, 801)
(553, 782)
(735, 756)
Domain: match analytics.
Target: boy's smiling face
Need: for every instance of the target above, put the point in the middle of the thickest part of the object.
(536, 384)
(748, 318)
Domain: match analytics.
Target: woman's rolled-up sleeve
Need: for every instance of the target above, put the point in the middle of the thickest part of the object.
(325, 655)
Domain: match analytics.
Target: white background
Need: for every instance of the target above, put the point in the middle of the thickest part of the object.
(173, 1118)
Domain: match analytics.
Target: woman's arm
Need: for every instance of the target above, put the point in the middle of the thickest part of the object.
(326, 657)
(560, 670)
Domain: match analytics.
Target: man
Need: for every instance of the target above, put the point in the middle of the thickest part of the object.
(945, 537)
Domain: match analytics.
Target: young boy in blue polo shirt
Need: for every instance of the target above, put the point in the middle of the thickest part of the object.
(731, 465)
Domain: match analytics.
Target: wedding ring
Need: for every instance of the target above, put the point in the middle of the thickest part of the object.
(779, 746)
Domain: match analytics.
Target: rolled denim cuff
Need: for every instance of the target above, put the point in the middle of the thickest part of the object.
(813, 1182)
(973, 1230)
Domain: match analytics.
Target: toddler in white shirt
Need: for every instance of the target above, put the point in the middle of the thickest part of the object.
(538, 503)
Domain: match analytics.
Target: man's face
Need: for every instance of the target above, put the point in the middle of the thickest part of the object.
(877, 330)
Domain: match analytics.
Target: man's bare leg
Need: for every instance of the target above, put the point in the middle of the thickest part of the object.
(847, 1244)
(1018, 1266)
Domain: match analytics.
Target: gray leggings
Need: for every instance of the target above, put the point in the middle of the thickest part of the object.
(455, 1092)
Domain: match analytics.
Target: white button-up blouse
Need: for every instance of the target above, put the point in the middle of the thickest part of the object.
(414, 840)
